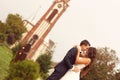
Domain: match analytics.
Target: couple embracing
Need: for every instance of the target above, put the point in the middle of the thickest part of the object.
(76, 63)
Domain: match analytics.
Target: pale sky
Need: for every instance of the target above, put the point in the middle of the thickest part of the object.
(98, 21)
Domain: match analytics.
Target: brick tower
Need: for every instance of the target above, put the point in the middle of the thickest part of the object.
(37, 34)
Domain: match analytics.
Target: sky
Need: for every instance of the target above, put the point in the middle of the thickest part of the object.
(98, 21)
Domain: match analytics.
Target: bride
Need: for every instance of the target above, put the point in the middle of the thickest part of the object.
(81, 63)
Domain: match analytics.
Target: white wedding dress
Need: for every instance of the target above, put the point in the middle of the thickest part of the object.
(71, 75)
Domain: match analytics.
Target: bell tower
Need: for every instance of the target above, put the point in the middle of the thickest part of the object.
(37, 34)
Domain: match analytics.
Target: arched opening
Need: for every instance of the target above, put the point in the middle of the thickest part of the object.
(55, 11)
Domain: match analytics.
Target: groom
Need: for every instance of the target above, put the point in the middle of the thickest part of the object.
(68, 61)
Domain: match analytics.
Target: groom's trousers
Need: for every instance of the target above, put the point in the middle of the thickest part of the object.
(56, 75)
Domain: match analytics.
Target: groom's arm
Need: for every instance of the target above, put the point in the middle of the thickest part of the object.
(71, 56)
(67, 62)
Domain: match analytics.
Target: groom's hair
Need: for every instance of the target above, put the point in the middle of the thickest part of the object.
(85, 42)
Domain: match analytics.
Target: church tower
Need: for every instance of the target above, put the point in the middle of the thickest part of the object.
(37, 34)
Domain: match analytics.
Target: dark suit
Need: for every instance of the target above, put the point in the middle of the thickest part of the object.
(64, 65)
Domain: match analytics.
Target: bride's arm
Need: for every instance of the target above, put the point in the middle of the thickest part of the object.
(81, 60)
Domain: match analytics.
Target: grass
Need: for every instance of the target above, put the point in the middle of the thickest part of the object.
(5, 58)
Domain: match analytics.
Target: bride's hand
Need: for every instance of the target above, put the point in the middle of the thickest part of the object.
(76, 69)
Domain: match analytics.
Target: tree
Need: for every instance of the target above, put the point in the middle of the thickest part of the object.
(11, 38)
(3, 29)
(16, 48)
(117, 75)
(45, 64)
(15, 26)
(103, 66)
(23, 70)
(2, 37)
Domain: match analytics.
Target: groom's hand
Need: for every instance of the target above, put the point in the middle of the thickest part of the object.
(76, 69)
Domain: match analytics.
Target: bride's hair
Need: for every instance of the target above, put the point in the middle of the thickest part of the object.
(91, 54)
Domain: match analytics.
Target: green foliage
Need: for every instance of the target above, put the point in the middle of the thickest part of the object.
(44, 75)
(11, 38)
(3, 29)
(103, 66)
(23, 70)
(13, 28)
(16, 48)
(45, 64)
(5, 59)
(2, 37)
(16, 25)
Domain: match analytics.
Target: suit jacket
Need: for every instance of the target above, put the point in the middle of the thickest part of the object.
(67, 62)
